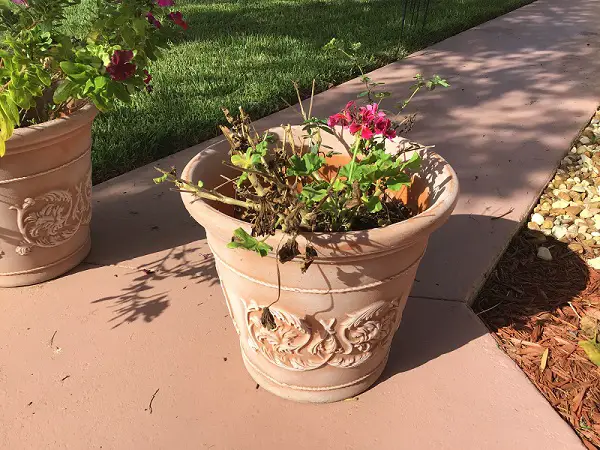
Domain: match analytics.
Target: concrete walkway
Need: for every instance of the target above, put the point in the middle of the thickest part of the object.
(82, 356)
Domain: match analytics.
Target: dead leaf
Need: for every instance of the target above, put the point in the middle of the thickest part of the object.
(590, 327)
(592, 350)
(578, 400)
(536, 333)
(544, 361)
(588, 444)
(594, 313)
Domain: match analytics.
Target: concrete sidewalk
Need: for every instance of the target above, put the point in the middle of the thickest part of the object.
(146, 312)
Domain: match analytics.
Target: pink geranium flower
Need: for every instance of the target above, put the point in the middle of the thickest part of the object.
(342, 118)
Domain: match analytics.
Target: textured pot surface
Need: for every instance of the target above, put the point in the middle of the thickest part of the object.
(45, 199)
(335, 323)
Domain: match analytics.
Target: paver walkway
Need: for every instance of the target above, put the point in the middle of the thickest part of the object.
(82, 356)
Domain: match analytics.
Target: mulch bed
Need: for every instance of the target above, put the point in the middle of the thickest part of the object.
(538, 312)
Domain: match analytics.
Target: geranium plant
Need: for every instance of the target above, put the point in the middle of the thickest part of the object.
(289, 186)
(46, 73)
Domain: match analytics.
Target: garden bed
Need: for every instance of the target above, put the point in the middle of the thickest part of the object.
(543, 298)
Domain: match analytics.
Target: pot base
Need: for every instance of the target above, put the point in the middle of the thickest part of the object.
(307, 394)
(49, 272)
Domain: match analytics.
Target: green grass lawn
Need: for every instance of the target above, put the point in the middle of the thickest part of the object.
(246, 53)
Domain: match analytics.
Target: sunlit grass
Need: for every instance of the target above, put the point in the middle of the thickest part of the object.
(247, 53)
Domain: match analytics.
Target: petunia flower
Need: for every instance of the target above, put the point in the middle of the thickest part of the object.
(177, 19)
(20, 2)
(165, 3)
(148, 78)
(121, 67)
(153, 20)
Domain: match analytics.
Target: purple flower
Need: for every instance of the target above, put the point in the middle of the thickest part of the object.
(165, 3)
(153, 20)
(177, 19)
(121, 67)
(20, 2)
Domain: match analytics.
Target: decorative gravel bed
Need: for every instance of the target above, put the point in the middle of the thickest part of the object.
(569, 208)
(542, 301)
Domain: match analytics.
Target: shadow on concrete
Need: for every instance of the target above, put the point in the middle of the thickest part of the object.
(515, 291)
(146, 297)
(522, 87)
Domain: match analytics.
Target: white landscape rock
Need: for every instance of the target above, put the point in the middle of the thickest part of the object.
(594, 263)
(537, 218)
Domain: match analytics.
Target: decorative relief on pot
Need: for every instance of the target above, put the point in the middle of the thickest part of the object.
(53, 218)
(306, 343)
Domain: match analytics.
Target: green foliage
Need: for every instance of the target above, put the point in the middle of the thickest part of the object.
(241, 239)
(45, 73)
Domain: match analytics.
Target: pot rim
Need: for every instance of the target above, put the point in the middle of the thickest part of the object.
(426, 221)
(52, 129)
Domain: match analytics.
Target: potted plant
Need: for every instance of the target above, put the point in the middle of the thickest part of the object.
(336, 214)
(51, 86)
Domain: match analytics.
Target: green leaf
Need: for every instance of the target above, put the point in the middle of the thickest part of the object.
(592, 350)
(309, 163)
(10, 109)
(44, 76)
(363, 94)
(412, 164)
(339, 185)
(313, 193)
(139, 25)
(395, 183)
(100, 82)
(64, 91)
(373, 204)
(74, 70)
(120, 91)
(241, 239)
(164, 177)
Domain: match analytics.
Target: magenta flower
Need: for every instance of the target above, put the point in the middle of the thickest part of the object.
(383, 126)
(20, 2)
(153, 20)
(148, 78)
(342, 118)
(177, 19)
(121, 67)
(363, 129)
(165, 3)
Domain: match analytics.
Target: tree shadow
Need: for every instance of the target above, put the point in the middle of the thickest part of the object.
(145, 298)
(521, 88)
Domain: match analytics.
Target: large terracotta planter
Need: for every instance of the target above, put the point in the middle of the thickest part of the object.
(45, 190)
(335, 323)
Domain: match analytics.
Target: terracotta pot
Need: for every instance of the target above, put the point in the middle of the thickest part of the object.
(45, 192)
(335, 323)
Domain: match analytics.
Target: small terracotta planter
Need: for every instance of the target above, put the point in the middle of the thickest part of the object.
(45, 192)
(334, 324)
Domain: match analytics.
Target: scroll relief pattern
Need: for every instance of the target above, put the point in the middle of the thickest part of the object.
(53, 218)
(295, 344)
